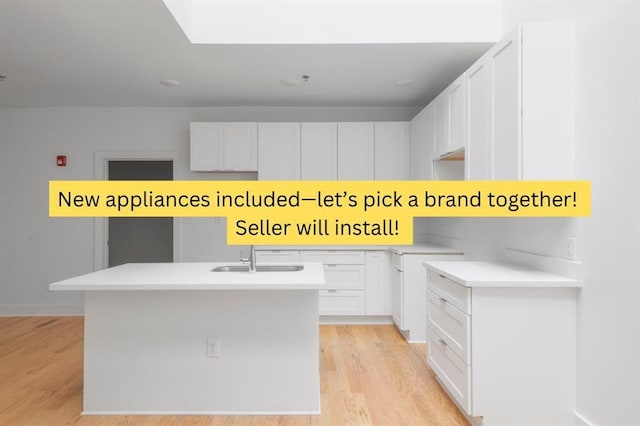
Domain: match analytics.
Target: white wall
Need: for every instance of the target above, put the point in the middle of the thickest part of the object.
(38, 249)
(607, 154)
(3, 215)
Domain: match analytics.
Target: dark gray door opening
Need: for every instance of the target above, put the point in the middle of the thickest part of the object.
(140, 239)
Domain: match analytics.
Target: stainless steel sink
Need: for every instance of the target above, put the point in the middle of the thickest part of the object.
(259, 268)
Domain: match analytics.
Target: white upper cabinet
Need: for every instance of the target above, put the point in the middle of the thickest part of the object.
(205, 144)
(224, 147)
(478, 149)
(391, 148)
(449, 112)
(505, 106)
(510, 116)
(355, 151)
(319, 151)
(240, 143)
(416, 147)
(428, 141)
(279, 151)
(532, 103)
(456, 98)
(441, 123)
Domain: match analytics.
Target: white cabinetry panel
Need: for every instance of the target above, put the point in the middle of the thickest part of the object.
(355, 151)
(319, 151)
(240, 146)
(478, 148)
(391, 143)
(505, 75)
(279, 151)
(206, 146)
(223, 147)
(378, 283)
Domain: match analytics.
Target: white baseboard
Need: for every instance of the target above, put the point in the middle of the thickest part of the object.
(357, 319)
(580, 420)
(41, 310)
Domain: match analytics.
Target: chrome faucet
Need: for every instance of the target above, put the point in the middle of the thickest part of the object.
(251, 259)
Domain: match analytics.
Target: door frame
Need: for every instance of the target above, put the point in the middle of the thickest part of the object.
(101, 224)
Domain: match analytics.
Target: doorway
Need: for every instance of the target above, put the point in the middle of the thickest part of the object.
(139, 239)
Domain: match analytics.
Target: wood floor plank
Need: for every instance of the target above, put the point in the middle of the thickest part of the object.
(369, 375)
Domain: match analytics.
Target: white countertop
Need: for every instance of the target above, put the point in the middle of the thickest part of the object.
(323, 247)
(417, 248)
(495, 274)
(424, 248)
(193, 276)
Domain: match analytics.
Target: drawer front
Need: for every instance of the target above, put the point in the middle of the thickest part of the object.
(342, 302)
(452, 324)
(454, 293)
(334, 257)
(347, 277)
(453, 373)
(277, 256)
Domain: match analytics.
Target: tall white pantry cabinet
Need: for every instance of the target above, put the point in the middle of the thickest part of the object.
(520, 106)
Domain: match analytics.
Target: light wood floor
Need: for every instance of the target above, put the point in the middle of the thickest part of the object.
(369, 376)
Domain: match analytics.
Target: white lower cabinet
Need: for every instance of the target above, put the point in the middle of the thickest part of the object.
(378, 282)
(344, 273)
(342, 302)
(452, 371)
(452, 324)
(277, 256)
(506, 353)
(409, 306)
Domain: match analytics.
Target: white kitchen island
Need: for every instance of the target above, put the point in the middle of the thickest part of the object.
(176, 338)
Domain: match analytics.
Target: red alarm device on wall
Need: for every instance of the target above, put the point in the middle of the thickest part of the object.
(61, 160)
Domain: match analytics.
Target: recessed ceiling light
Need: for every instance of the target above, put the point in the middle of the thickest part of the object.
(404, 82)
(289, 82)
(170, 83)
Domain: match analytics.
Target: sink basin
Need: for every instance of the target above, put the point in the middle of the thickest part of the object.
(259, 268)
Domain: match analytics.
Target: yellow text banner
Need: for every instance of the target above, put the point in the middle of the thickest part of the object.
(319, 212)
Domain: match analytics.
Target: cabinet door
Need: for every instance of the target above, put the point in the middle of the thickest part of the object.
(416, 147)
(391, 145)
(279, 151)
(428, 141)
(478, 149)
(355, 151)
(505, 100)
(378, 283)
(456, 104)
(397, 297)
(441, 123)
(240, 145)
(319, 151)
(206, 146)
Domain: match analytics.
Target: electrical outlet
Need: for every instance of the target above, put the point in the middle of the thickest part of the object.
(213, 347)
(571, 248)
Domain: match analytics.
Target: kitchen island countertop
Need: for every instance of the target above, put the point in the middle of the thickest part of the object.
(193, 276)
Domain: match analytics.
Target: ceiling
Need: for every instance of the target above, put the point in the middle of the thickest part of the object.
(115, 53)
